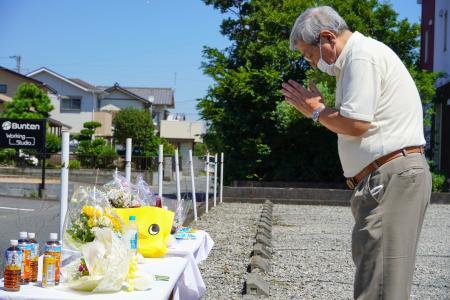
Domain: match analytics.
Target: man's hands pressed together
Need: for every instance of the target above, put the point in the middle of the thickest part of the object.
(304, 100)
(308, 100)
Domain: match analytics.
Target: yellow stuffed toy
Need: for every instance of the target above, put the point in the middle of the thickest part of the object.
(154, 225)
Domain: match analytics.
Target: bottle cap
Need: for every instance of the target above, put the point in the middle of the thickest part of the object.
(14, 242)
(23, 234)
(132, 218)
(31, 235)
(53, 236)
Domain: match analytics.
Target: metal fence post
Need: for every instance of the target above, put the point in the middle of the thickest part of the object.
(221, 176)
(207, 183)
(128, 160)
(194, 197)
(160, 170)
(64, 178)
(215, 179)
(177, 172)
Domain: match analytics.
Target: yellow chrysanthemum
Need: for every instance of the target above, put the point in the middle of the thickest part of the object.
(116, 224)
(91, 222)
(98, 213)
(88, 210)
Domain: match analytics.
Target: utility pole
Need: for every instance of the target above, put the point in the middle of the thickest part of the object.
(18, 59)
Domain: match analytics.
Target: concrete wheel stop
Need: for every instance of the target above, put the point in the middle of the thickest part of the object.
(255, 285)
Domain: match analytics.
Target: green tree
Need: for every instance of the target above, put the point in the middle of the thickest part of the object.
(88, 130)
(263, 138)
(200, 149)
(94, 152)
(52, 143)
(29, 102)
(168, 148)
(136, 124)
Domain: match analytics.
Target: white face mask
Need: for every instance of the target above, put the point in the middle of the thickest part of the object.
(323, 65)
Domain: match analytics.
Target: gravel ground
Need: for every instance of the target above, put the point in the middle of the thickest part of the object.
(312, 254)
(312, 257)
(233, 228)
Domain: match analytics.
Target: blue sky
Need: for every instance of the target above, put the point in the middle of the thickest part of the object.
(133, 42)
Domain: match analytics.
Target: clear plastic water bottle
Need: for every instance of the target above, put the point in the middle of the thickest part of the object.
(132, 237)
(132, 234)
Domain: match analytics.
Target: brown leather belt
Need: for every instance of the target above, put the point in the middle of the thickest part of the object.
(352, 182)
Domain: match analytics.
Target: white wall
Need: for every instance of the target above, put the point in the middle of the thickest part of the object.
(441, 59)
(120, 100)
(74, 119)
(182, 130)
(158, 110)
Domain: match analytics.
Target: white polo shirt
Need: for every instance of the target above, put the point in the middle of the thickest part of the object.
(373, 84)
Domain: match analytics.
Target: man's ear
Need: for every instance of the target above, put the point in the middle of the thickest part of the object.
(329, 36)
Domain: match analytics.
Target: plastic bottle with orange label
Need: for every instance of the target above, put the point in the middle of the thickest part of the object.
(13, 266)
(34, 258)
(25, 247)
(53, 248)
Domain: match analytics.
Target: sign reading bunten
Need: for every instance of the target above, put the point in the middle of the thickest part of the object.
(22, 133)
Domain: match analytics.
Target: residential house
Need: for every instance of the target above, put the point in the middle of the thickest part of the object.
(75, 101)
(435, 56)
(10, 81)
(157, 100)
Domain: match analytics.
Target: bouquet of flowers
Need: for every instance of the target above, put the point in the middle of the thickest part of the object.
(121, 193)
(180, 208)
(98, 254)
(106, 266)
(88, 209)
(143, 192)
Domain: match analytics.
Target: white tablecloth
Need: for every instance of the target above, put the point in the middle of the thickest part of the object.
(183, 283)
(194, 251)
(198, 248)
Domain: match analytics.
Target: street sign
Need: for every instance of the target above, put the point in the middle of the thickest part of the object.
(23, 134)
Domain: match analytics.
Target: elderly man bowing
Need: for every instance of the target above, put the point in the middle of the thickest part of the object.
(379, 122)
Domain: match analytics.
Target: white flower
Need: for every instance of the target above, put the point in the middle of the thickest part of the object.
(104, 221)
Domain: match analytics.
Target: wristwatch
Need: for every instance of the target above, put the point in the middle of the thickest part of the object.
(316, 113)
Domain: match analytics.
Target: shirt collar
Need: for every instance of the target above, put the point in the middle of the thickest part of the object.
(348, 45)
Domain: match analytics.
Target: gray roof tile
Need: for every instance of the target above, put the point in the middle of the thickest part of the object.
(84, 84)
(161, 96)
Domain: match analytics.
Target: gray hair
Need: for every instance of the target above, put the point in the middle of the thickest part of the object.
(312, 21)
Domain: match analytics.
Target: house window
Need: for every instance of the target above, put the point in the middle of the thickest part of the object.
(3, 88)
(71, 104)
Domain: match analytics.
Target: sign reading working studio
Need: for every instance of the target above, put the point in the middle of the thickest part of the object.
(22, 134)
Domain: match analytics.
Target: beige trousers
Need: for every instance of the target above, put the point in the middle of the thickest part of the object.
(389, 206)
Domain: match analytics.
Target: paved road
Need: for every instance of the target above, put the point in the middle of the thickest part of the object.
(18, 214)
(42, 217)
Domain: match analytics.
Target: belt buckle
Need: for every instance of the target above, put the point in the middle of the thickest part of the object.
(351, 183)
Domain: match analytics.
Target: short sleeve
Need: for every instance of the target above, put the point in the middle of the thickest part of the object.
(361, 91)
